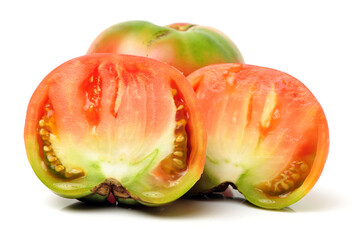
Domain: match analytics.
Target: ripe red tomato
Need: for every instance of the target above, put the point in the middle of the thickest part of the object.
(184, 46)
(106, 124)
(267, 133)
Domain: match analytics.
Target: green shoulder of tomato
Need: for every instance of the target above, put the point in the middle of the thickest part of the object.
(185, 46)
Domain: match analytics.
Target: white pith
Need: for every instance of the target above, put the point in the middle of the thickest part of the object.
(236, 146)
(227, 162)
(122, 160)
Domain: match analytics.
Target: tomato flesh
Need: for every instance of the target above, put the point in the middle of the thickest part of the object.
(108, 123)
(267, 134)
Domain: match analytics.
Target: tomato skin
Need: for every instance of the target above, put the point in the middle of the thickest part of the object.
(267, 133)
(185, 46)
(100, 144)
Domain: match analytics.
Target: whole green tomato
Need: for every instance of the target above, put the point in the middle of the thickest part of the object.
(187, 47)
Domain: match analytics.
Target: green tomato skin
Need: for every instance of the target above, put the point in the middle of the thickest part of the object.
(186, 47)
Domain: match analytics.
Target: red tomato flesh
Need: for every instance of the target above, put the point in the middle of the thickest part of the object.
(109, 121)
(267, 133)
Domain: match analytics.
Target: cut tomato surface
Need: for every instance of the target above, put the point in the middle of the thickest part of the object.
(114, 124)
(267, 133)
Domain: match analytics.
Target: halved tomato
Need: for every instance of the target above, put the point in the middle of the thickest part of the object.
(107, 124)
(267, 133)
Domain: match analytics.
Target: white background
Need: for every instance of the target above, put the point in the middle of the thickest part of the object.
(317, 42)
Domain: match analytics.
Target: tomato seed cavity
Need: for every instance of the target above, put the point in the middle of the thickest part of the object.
(175, 164)
(288, 180)
(46, 126)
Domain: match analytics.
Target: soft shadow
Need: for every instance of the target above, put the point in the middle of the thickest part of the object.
(232, 195)
(187, 206)
(179, 208)
(318, 201)
(88, 206)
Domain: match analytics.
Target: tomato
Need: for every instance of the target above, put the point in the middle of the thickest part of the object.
(108, 124)
(267, 134)
(184, 46)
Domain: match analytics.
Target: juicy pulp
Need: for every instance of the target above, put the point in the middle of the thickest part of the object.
(267, 134)
(112, 118)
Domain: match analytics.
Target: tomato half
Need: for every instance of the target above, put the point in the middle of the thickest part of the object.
(107, 124)
(267, 134)
(182, 45)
